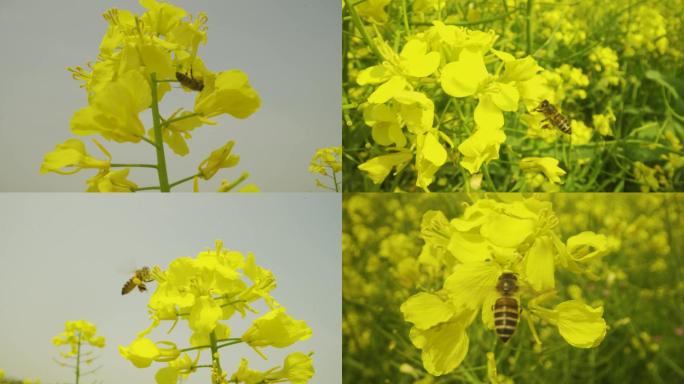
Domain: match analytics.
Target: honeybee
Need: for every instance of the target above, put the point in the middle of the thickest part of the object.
(554, 117)
(189, 81)
(140, 277)
(506, 307)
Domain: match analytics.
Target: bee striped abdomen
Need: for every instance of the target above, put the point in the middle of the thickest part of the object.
(553, 116)
(561, 122)
(140, 277)
(128, 286)
(190, 82)
(505, 317)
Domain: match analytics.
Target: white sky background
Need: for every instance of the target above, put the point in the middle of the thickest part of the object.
(66, 256)
(289, 49)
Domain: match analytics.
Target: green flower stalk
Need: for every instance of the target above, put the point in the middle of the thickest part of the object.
(78, 335)
(202, 293)
(140, 57)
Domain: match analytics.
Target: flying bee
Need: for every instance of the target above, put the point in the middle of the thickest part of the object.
(188, 81)
(140, 277)
(555, 118)
(506, 307)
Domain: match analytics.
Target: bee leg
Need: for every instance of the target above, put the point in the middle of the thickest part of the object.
(546, 126)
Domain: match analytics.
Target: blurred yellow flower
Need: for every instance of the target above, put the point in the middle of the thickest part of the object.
(374, 10)
(546, 165)
(603, 123)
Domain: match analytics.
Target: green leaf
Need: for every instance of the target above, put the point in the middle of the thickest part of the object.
(662, 80)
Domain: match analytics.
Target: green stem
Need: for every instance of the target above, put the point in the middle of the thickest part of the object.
(359, 25)
(528, 27)
(183, 180)
(485, 168)
(158, 140)
(176, 119)
(78, 359)
(193, 348)
(148, 141)
(133, 165)
(337, 189)
(406, 22)
(235, 183)
(147, 189)
(228, 343)
(216, 362)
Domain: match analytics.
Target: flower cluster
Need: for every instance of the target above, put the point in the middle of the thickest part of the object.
(205, 291)
(77, 335)
(395, 246)
(443, 96)
(490, 238)
(456, 58)
(327, 162)
(140, 57)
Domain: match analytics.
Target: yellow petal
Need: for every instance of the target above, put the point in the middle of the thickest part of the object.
(581, 325)
(589, 245)
(426, 310)
(507, 231)
(539, 264)
(276, 329)
(506, 97)
(415, 62)
(445, 345)
(462, 78)
(470, 283)
(204, 315)
(547, 165)
(387, 90)
(520, 70)
(430, 156)
(379, 167)
(229, 93)
(487, 114)
(373, 75)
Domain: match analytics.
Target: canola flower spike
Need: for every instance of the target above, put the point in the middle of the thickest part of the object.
(203, 292)
(77, 335)
(139, 56)
(546, 165)
(327, 162)
(457, 55)
(490, 238)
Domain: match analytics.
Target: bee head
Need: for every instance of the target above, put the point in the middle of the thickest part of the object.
(544, 103)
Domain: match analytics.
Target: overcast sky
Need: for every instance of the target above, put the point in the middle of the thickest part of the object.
(66, 256)
(289, 49)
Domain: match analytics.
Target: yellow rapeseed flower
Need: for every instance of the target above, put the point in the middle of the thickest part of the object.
(218, 159)
(546, 165)
(490, 238)
(71, 156)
